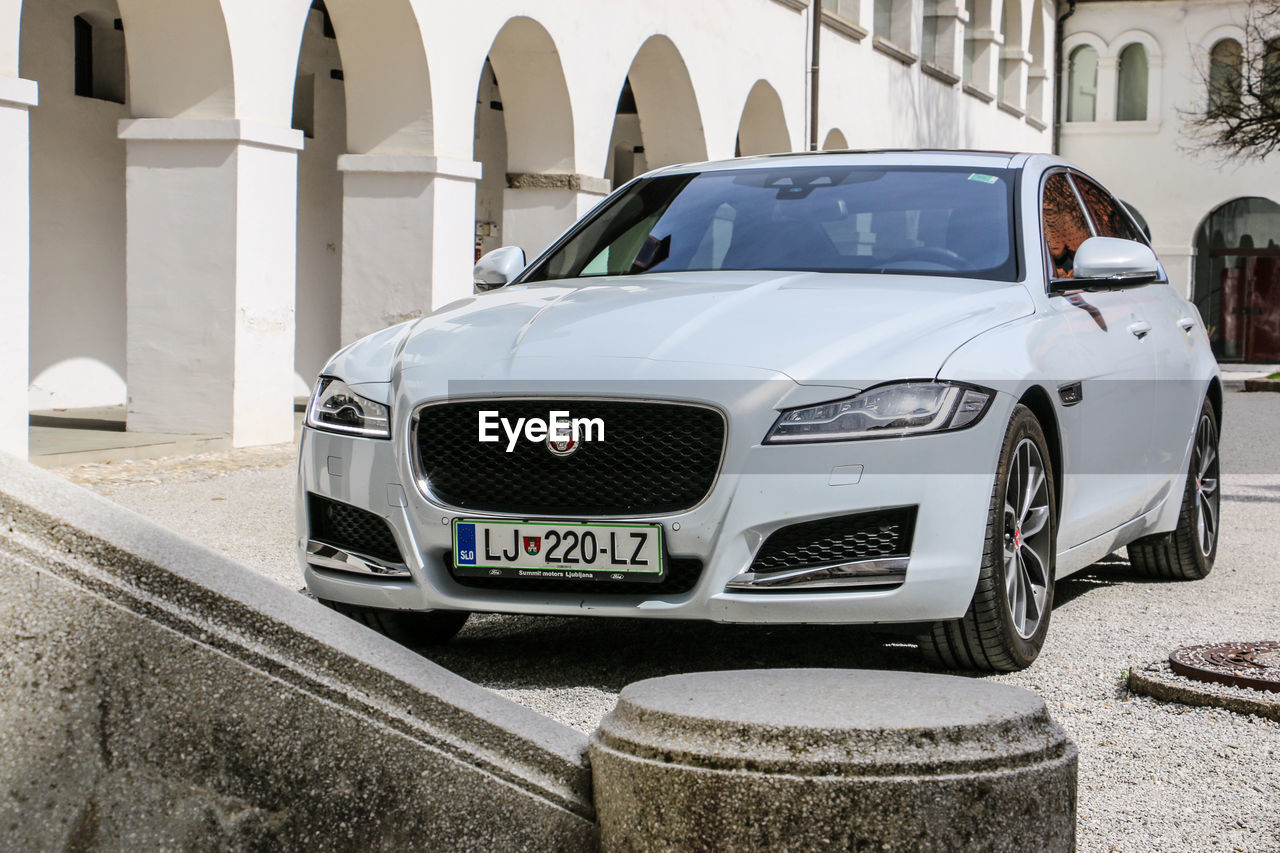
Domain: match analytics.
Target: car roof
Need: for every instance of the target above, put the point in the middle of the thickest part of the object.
(871, 157)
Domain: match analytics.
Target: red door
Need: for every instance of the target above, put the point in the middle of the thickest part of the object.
(1262, 327)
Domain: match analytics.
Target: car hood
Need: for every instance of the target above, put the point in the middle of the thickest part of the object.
(846, 330)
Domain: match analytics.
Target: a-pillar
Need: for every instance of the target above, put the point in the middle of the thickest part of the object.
(212, 219)
(538, 208)
(17, 96)
(408, 237)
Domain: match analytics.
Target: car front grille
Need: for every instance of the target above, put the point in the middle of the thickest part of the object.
(655, 458)
(351, 529)
(682, 576)
(838, 539)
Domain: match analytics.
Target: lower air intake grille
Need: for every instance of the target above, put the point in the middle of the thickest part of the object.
(355, 530)
(682, 576)
(839, 539)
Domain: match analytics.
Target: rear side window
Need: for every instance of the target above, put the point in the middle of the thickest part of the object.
(1064, 224)
(1109, 218)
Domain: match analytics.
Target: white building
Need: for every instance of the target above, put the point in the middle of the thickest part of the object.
(202, 199)
(1133, 71)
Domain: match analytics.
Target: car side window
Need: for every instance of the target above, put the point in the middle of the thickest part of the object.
(1064, 224)
(1109, 218)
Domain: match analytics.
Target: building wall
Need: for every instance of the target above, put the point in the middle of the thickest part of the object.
(319, 287)
(77, 220)
(708, 77)
(1155, 165)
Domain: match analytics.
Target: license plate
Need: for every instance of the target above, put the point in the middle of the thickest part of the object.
(528, 549)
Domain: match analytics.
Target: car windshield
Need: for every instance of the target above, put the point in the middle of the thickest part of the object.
(925, 220)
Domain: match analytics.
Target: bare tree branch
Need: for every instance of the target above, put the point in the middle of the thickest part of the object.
(1238, 111)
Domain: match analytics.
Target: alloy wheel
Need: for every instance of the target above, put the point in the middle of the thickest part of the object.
(1027, 538)
(1204, 467)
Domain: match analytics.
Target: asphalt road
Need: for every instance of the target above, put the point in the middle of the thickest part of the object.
(1153, 776)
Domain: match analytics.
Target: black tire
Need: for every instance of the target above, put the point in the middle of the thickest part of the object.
(1181, 555)
(411, 628)
(986, 638)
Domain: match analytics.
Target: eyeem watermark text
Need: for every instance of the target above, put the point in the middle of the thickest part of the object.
(559, 426)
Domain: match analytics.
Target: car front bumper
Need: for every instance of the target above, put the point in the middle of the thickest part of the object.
(948, 476)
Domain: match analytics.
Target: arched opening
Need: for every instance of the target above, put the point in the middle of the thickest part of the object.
(1225, 78)
(1237, 279)
(99, 56)
(1131, 89)
(763, 126)
(1009, 83)
(835, 141)
(1082, 84)
(385, 75)
(319, 110)
(657, 121)
(77, 331)
(524, 132)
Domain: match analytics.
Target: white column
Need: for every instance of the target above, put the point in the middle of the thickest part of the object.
(1108, 67)
(1014, 63)
(408, 237)
(538, 208)
(17, 96)
(986, 59)
(212, 222)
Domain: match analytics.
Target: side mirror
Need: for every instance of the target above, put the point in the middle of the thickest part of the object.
(498, 268)
(1115, 262)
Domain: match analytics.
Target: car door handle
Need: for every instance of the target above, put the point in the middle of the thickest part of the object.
(1188, 324)
(1140, 329)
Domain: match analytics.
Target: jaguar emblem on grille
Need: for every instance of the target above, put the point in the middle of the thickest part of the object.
(562, 443)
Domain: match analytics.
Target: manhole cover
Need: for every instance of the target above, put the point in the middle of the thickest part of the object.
(1255, 665)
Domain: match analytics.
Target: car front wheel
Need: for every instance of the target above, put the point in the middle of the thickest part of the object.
(1007, 620)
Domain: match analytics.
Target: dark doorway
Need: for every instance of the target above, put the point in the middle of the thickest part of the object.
(1237, 279)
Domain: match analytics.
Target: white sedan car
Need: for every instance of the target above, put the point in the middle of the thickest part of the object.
(897, 388)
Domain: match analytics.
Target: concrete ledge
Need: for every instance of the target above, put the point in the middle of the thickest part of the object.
(1159, 681)
(1262, 385)
(894, 51)
(832, 759)
(210, 130)
(467, 170)
(18, 92)
(159, 695)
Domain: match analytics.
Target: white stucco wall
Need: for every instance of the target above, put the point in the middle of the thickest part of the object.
(77, 221)
(1153, 164)
(391, 233)
(319, 285)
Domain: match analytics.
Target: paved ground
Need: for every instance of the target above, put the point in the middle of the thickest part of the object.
(1153, 776)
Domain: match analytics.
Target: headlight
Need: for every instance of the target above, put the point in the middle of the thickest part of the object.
(906, 408)
(336, 408)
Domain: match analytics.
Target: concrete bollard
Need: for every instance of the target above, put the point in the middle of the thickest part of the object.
(832, 759)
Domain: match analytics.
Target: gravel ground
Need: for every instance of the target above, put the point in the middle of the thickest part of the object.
(1153, 776)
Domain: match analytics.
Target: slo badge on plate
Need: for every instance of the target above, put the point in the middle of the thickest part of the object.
(526, 549)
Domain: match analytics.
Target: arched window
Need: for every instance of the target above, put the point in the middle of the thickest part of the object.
(1224, 78)
(1082, 85)
(100, 59)
(1131, 94)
